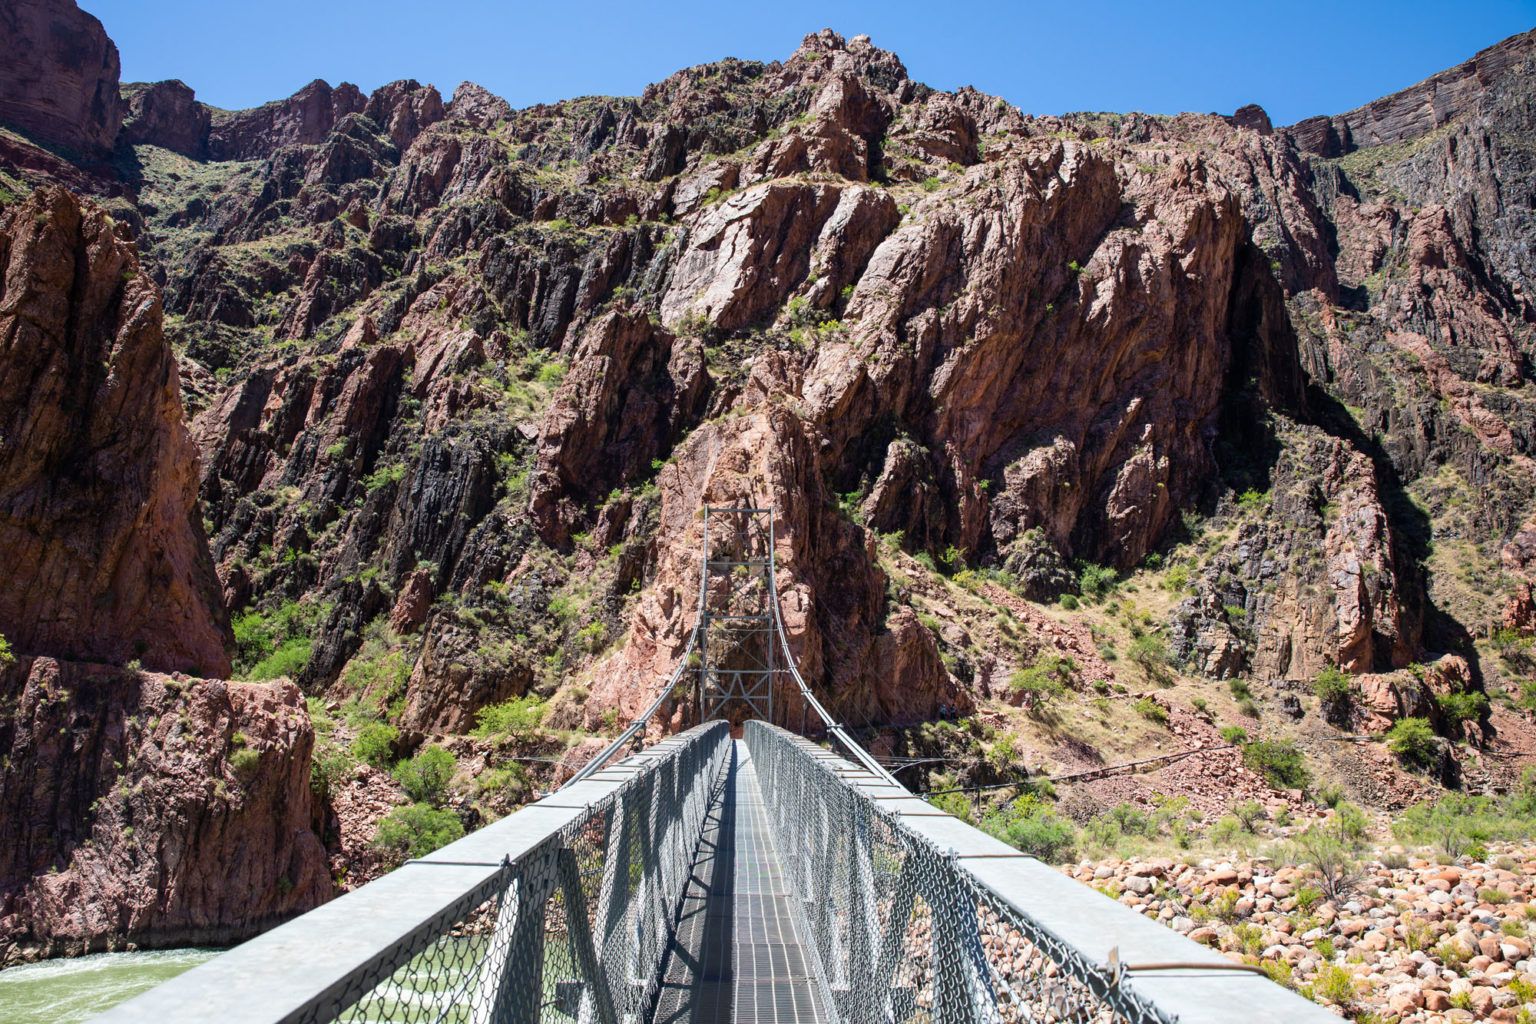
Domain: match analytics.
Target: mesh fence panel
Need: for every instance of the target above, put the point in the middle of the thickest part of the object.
(902, 932)
(573, 930)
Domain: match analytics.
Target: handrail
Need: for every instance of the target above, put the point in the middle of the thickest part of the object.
(901, 902)
(487, 928)
(602, 756)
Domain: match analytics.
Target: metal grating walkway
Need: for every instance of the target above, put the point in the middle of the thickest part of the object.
(737, 954)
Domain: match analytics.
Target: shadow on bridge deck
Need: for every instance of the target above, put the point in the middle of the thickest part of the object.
(737, 954)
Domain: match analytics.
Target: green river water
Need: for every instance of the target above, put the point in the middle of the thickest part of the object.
(71, 990)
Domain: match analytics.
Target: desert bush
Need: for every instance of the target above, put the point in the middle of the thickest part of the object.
(375, 744)
(1151, 710)
(425, 777)
(518, 717)
(1032, 826)
(1281, 764)
(416, 830)
(1331, 859)
(1044, 682)
(1414, 742)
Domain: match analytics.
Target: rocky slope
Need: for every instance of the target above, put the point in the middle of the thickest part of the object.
(1411, 941)
(459, 377)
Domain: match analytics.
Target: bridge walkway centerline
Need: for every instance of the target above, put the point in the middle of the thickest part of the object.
(738, 952)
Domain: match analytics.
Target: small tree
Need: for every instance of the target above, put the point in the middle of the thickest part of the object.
(1150, 653)
(1044, 682)
(417, 830)
(375, 744)
(1335, 692)
(1331, 858)
(1462, 707)
(1030, 825)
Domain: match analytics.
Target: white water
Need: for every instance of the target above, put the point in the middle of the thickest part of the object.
(70, 990)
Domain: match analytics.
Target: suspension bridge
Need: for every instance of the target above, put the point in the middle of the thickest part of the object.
(737, 871)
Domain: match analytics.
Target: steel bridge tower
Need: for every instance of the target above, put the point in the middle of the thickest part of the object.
(738, 663)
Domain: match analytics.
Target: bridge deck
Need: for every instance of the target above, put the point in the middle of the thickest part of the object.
(737, 955)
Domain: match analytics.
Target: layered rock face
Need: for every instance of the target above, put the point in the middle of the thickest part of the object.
(140, 807)
(98, 505)
(1016, 342)
(151, 808)
(59, 82)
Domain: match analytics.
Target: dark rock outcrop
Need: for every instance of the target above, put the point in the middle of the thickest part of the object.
(166, 114)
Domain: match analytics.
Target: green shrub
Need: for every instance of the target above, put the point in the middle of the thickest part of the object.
(1279, 762)
(518, 717)
(1150, 652)
(1337, 985)
(1332, 686)
(1460, 824)
(1069, 602)
(1252, 499)
(384, 476)
(1330, 795)
(509, 781)
(288, 660)
(1096, 581)
(1029, 825)
(7, 656)
(1350, 824)
(1414, 742)
(1461, 707)
(1044, 682)
(425, 777)
(1151, 710)
(277, 642)
(1250, 813)
(1330, 857)
(244, 761)
(1234, 734)
(375, 744)
(1228, 832)
(330, 766)
(417, 830)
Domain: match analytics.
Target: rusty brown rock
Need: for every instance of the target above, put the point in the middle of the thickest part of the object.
(154, 809)
(58, 84)
(98, 505)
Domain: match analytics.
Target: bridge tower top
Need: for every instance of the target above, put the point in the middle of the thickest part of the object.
(738, 658)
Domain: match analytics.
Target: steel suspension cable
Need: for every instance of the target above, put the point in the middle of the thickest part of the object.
(835, 728)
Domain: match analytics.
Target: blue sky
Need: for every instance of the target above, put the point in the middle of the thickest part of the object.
(1295, 59)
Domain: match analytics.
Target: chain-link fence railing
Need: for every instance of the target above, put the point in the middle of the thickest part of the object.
(905, 930)
(571, 926)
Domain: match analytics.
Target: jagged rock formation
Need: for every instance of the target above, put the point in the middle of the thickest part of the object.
(98, 519)
(1000, 332)
(462, 375)
(148, 808)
